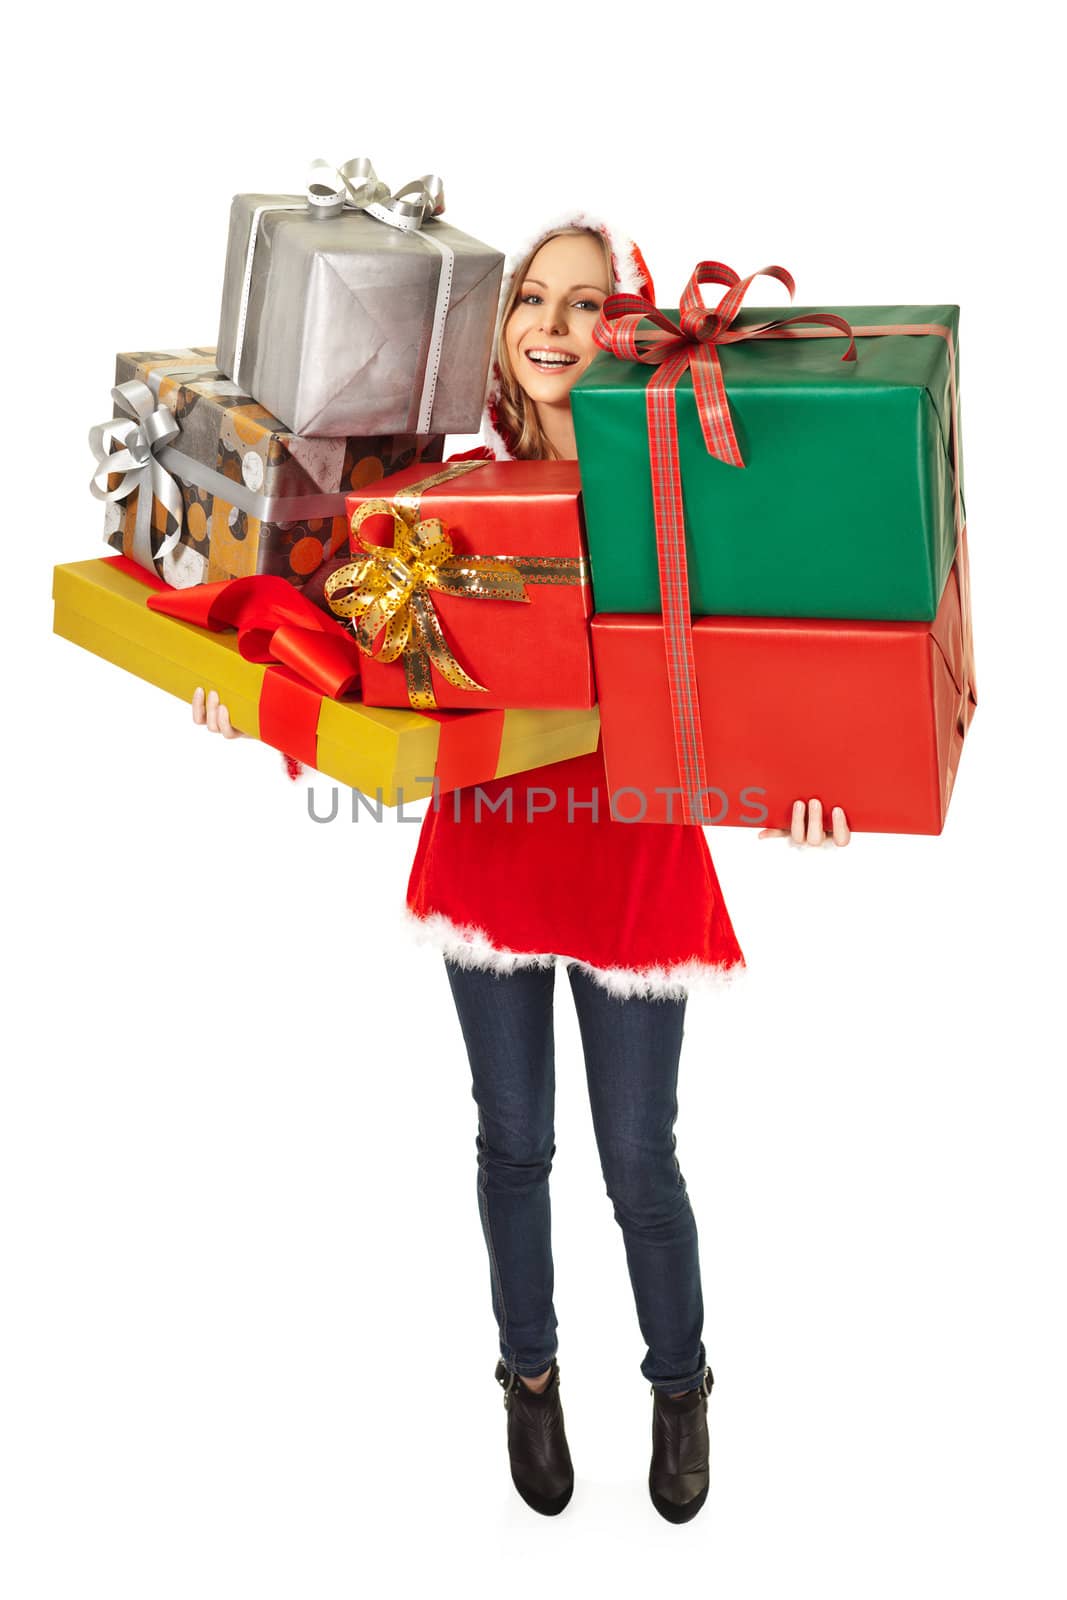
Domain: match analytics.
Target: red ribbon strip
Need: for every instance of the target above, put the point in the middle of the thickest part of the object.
(469, 746)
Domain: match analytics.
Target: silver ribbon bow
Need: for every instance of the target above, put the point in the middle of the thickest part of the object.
(148, 426)
(357, 187)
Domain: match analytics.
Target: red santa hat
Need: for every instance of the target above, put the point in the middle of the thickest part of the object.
(631, 277)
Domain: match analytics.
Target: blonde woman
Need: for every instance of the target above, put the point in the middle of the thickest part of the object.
(507, 888)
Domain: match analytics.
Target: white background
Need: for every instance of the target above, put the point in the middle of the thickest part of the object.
(247, 1342)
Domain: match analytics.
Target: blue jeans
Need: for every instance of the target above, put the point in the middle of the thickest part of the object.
(631, 1049)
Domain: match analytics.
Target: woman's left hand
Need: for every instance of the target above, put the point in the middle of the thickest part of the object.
(807, 827)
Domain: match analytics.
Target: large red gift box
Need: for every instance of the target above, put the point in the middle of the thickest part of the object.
(870, 716)
(529, 651)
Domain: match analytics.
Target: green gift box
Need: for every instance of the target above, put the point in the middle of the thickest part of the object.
(845, 504)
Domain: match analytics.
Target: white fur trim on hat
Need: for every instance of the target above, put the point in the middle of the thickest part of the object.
(622, 248)
(468, 945)
(628, 281)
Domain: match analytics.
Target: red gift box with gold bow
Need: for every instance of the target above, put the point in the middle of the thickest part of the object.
(469, 588)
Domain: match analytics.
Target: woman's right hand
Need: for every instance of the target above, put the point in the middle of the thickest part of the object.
(214, 715)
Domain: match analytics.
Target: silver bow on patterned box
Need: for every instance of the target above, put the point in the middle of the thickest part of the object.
(218, 485)
(146, 430)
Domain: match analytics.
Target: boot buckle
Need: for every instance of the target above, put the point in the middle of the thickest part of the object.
(509, 1382)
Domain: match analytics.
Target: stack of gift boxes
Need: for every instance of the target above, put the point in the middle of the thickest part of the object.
(826, 647)
(783, 615)
(356, 331)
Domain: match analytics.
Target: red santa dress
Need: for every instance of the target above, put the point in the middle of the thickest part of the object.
(552, 874)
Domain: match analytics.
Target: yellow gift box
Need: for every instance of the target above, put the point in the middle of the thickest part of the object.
(393, 752)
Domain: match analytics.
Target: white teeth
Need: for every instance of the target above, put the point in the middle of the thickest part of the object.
(546, 358)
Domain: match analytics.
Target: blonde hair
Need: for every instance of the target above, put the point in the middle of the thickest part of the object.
(517, 412)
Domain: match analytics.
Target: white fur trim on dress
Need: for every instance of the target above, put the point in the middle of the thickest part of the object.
(493, 440)
(468, 945)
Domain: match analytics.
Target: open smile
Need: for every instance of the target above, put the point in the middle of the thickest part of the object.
(548, 360)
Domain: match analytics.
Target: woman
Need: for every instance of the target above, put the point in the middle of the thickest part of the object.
(635, 912)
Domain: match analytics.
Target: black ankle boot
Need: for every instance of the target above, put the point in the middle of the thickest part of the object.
(679, 1476)
(537, 1442)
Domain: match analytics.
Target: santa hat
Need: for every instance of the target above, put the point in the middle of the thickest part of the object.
(631, 277)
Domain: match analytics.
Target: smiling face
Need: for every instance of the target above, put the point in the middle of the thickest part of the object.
(549, 334)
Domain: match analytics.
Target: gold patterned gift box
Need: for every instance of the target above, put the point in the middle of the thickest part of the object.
(254, 497)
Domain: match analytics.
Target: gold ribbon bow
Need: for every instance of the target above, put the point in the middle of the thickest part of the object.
(391, 586)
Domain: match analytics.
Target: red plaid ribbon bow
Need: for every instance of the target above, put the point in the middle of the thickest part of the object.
(671, 348)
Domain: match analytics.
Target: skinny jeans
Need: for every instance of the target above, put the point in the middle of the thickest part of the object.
(631, 1047)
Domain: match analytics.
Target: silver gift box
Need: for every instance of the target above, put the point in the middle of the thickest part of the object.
(338, 319)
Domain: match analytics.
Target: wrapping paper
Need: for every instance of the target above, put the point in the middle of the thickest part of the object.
(867, 715)
(339, 314)
(844, 507)
(532, 652)
(227, 434)
(102, 606)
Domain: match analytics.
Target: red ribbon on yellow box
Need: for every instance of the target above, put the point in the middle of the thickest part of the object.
(306, 653)
(308, 657)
